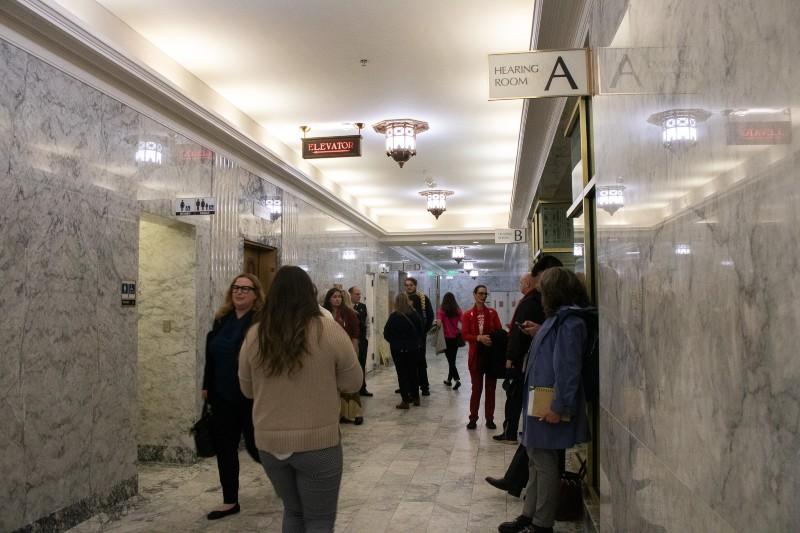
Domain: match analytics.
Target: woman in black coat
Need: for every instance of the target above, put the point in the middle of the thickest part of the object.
(403, 331)
(231, 412)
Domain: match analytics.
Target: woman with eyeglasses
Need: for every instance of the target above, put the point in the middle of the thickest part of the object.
(231, 415)
(478, 324)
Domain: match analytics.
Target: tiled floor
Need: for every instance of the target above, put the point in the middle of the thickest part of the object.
(404, 471)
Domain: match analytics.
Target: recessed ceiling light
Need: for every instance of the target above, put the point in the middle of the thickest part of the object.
(423, 243)
(474, 242)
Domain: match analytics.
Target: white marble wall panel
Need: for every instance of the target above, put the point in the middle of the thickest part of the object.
(698, 273)
(462, 286)
(167, 355)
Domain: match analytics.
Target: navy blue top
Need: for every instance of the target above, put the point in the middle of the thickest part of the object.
(223, 351)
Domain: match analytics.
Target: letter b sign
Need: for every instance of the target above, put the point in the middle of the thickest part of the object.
(510, 236)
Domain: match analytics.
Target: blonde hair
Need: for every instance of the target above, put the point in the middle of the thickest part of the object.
(227, 306)
(402, 304)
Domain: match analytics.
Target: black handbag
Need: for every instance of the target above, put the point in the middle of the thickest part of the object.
(203, 441)
(570, 499)
(460, 342)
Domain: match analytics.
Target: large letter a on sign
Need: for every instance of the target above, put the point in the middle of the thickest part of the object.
(564, 74)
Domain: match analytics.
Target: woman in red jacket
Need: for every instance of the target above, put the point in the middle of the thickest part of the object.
(478, 323)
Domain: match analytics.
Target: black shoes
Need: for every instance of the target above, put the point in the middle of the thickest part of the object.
(503, 439)
(216, 515)
(491, 425)
(536, 529)
(472, 424)
(365, 392)
(359, 420)
(517, 525)
(426, 393)
(415, 401)
(457, 385)
(402, 405)
(448, 382)
(397, 391)
(502, 484)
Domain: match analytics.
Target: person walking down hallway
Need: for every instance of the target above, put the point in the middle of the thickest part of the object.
(230, 410)
(449, 316)
(293, 365)
(335, 303)
(479, 323)
(423, 307)
(402, 332)
(363, 343)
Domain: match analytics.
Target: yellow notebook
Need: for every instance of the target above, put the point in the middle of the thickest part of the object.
(539, 401)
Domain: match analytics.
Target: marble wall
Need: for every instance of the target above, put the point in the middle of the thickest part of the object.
(74, 194)
(698, 276)
(167, 333)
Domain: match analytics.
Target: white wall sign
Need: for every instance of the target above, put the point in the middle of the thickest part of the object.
(539, 74)
(195, 206)
(510, 236)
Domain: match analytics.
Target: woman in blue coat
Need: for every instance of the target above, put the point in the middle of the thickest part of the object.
(554, 362)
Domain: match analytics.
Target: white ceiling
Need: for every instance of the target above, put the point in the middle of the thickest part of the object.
(287, 63)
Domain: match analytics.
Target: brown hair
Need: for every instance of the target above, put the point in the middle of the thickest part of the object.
(227, 306)
(449, 305)
(559, 287)
(284, 328)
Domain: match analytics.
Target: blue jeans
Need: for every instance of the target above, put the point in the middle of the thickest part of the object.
(308, 484)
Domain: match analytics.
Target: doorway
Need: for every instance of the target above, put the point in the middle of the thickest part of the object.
(262, 262)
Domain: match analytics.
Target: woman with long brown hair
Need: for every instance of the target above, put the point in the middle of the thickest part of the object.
(293, 365)
(337, 303)
(449, 316)
(230, 410)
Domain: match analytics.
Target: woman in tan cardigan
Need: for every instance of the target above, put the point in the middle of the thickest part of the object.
(293, 364)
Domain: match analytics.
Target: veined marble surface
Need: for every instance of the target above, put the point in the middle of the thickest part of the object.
(698, 272)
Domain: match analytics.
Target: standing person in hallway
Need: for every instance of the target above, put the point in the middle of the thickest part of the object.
(402, 332)
(230, 411)
(293, 365)
(479, 323)
(528, 323)
(423, 307)
(363, 343)
(449, 316)
(335, 303)
(555, 363)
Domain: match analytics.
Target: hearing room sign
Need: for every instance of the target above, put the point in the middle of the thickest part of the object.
(539, 74)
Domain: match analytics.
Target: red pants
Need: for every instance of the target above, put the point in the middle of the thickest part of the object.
(477, 389)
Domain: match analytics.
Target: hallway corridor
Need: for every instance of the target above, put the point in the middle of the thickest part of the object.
(404, 471)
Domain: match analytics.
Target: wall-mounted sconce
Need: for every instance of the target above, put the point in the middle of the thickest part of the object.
(679, 126)
(150, 152)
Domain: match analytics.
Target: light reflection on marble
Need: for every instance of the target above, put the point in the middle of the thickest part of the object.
(698, 278)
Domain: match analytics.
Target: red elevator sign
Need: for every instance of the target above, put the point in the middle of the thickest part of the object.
(322, 147)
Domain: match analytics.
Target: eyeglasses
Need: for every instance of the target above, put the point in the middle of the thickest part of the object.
(242, 288)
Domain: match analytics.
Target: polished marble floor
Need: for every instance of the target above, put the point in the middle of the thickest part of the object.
(404, 471)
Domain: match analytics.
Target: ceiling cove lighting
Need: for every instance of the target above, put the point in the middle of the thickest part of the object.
(473, 274)
(457, 254)
(349, 255)
(611, 198)
(679, 126)
(401, 137)
(150, 152)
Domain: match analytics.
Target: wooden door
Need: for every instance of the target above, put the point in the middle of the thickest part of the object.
(262, 262)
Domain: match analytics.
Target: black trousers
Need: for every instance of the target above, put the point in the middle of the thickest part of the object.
(363, 344)
(517, 472)
(422, 368)
(229, 422)
(513, 408)
(405, 363)
(450, 352)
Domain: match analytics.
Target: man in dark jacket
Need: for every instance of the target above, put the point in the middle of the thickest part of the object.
(423, 307)
(528, 309)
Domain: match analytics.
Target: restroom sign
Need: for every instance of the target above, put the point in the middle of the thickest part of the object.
(510, 236)
(195, 206)
(539, 74)
(128, 293)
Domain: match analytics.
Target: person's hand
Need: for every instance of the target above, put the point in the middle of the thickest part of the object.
(204, 394)
(551, 418)
(486, 340)
(530, 328)
(437, 322)
(509, 364)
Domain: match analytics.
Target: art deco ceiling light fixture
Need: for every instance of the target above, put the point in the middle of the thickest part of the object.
(436, 198)
(275, 208)
(473, 274)
(458, 254)
(611, 198)
(469, 265)
(150, 152)
(679, 126)
(401, 137)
